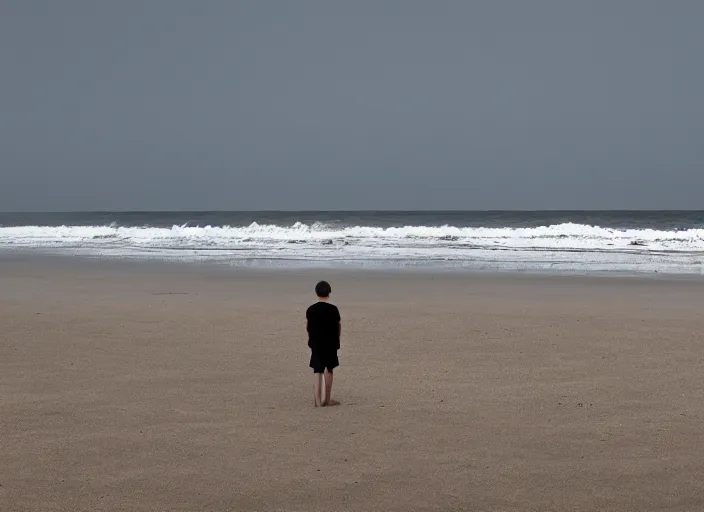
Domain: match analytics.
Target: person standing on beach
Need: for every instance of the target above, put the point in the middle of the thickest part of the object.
(324, 329)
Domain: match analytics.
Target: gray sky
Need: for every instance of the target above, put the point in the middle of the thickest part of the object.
(396, 104)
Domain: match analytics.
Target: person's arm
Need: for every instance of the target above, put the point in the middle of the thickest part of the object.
(339, 329)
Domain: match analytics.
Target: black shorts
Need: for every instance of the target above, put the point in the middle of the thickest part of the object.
(321, 361)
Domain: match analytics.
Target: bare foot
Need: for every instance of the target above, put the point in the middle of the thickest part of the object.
(330, 403)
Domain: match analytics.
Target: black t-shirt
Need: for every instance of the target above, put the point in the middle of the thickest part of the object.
(323, 326)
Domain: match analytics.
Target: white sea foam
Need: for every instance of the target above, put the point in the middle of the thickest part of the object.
(563, 244)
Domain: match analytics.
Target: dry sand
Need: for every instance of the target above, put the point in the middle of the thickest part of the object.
(140, 387)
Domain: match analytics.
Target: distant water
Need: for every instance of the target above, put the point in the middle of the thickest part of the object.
(557, 241)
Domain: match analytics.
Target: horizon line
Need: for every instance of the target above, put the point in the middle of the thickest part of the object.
(373, 210)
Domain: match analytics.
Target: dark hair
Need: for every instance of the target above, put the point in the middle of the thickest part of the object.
(322, 289)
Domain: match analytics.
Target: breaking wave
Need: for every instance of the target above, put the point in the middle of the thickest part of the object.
(554, 244)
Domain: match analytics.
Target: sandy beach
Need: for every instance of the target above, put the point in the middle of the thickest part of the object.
(173, 387)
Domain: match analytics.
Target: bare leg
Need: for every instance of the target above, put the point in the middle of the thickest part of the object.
(328, 389)
(317, 389)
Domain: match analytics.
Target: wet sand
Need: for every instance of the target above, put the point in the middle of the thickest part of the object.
(174, 387)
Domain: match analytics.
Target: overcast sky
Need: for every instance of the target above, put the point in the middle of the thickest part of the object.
(396, 104)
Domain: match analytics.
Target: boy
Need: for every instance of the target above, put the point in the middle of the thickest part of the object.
(324, 329)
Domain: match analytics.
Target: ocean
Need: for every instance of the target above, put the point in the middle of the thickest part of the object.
(578, 242)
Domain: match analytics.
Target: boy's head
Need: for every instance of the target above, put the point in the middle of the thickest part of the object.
(322, 290)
